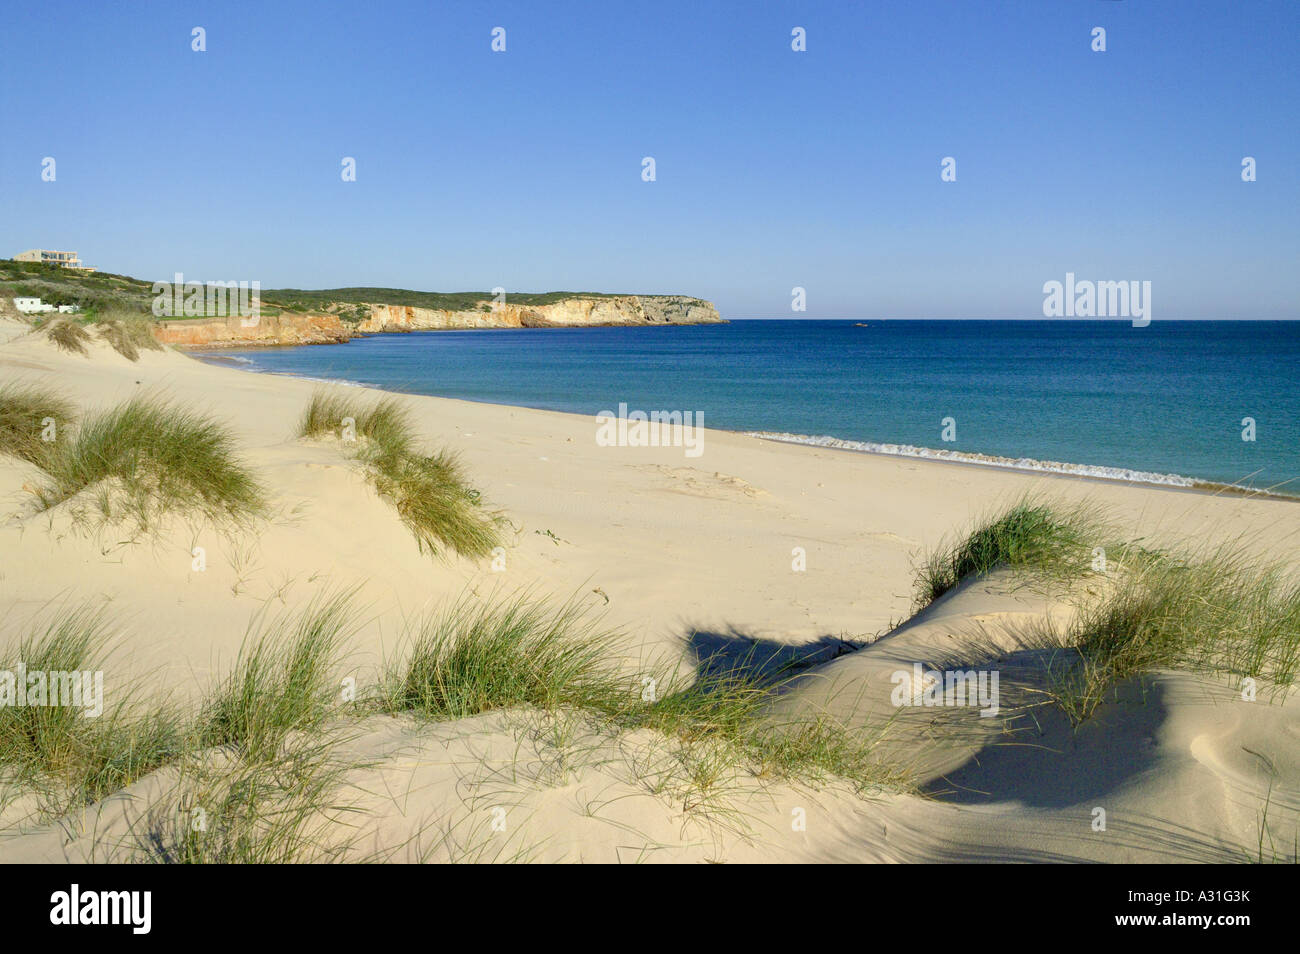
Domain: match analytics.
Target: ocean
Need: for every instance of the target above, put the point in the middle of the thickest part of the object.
(1166, 403)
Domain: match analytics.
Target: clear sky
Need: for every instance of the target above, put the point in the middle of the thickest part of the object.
(774, 168)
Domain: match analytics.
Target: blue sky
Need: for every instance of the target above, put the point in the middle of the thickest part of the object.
(774, 168)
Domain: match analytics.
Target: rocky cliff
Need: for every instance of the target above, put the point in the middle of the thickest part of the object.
(341, 321)
(567, 313)
(266, 331)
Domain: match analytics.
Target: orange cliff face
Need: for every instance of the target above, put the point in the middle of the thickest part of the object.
(265, 330)
(575, 312)
(325, 327)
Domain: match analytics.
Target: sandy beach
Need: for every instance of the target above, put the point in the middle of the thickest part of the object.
(688, 557)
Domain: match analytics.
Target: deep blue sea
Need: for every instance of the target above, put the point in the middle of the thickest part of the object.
(1167, 399)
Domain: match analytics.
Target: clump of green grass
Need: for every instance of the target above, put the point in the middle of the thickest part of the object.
(162, 456)
(283, 681)
(1036, 537)
(818, 750)
(32, 420)
(128, 333)
(1218, 611)
(67, 334)
(719, 701)
(256, 779)
(472, 659)
(283, 810)
(382, 428)
(434, 499)
(67, 755)
(431, 493)
(1213, 611)
(721, 721)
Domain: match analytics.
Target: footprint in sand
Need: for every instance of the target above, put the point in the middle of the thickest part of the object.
(889, 537)
(698, 483)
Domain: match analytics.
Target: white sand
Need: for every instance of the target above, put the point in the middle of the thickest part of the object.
(688, 552)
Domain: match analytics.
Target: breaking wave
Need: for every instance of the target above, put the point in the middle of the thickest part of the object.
(988, 460)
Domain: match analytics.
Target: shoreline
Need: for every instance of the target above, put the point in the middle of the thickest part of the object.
(1025, 465)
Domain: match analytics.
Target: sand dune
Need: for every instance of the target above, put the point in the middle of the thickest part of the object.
(689, 558)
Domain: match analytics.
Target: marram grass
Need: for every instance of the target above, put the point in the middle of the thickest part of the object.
(1214, 611)
(64, 755)
(32, 421)
(435, 500)
(382, 427)
(472, 658)
(128, 333)
(430, 492)
(284, 681)
(289, 809)
(1036, 538)
(253, 753)
(162, 456)
(67, 334)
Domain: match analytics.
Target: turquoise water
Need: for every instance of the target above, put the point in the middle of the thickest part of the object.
(1167, 399)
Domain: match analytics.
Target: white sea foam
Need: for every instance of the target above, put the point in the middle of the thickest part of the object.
(988, 460)
(341, 382)
(248, 364)
(237, 359)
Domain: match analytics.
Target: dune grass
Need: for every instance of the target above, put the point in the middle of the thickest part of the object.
(719, 721)
(1036, 538)
(818, 750)
(472, 658)
(430, 492)
(1270, 845)
(282, 683)
(284, 810)
(26, 415)
(475, 658)
(1200, 609)
(162, 456)
(253, 754)
(380, 428)
(435, 501)
(67, 334)
(254, 776)
(128, 333)
(1214, 611)
(66, 755)
(273, 791)
(260, 782)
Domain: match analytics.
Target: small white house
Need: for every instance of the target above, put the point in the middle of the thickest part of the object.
(32, 306)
